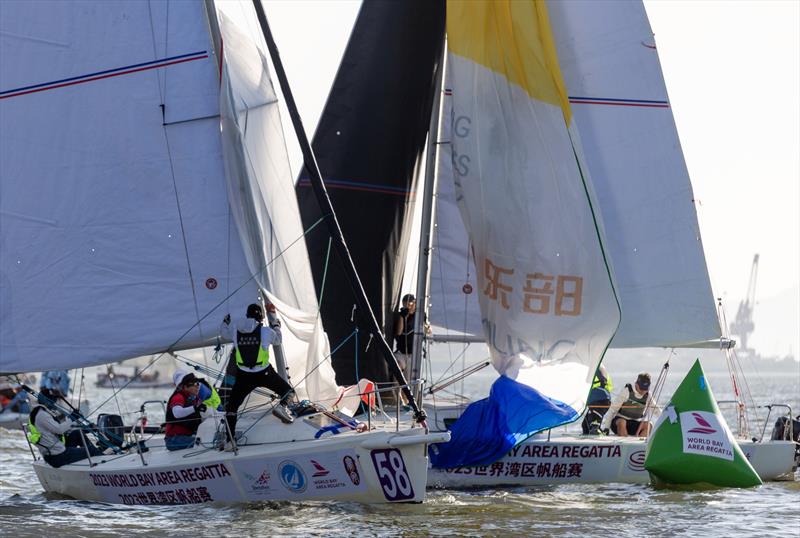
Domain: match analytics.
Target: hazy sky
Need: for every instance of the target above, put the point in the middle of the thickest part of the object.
(733, 75)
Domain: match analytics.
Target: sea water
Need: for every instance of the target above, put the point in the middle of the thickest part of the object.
(561, 510)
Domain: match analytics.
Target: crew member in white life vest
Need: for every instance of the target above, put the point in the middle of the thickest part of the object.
(249, 362)
(47, 429)
(630, 408)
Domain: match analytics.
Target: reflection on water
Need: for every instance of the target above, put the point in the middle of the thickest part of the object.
(566, 510)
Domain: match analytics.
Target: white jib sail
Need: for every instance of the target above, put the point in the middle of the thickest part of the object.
(545, 291)
(261, 191)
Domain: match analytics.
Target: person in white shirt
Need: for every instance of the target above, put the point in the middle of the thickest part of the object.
(47, 431)
(630, 408)
(249, 362)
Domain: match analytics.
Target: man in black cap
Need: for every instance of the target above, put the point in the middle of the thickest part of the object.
(249, 362)
(628, 411)
(404, 332)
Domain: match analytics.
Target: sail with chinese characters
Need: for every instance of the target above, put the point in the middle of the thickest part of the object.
(621, 109)
(543, 283)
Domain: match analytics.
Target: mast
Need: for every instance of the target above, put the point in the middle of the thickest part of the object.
(325, 203)
(426, 226)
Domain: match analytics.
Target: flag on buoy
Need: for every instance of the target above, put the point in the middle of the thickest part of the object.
(692, 443)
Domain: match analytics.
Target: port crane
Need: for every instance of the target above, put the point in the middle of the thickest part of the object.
(743, 324)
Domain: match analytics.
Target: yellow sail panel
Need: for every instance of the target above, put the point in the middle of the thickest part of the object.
(513, 38)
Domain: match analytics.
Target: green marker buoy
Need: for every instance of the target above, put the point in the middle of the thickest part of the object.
(692, 443)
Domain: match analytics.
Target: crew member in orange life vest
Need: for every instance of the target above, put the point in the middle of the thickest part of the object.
(252, 362)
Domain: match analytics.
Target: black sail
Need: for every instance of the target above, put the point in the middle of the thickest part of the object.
(370, 146)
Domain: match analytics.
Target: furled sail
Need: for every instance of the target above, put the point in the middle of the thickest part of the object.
(544, 286)
(123, 230)
(369, 145)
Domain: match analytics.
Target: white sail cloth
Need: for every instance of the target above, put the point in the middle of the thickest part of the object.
(115, 237)
(261, 194)
(545, 290)
(618, 97)
(123, 231)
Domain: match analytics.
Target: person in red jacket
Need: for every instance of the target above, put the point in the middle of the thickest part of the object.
(184, 410)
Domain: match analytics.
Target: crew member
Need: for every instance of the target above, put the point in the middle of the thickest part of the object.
(598, 402)
(47, 429)
(249, 365)
(404, 332)
(602, 379)
(627, 413)
(184, 410)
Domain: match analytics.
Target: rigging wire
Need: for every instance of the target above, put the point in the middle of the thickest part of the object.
(207, 314)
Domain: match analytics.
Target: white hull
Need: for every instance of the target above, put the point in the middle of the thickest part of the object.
(576, 459)
(279, 462)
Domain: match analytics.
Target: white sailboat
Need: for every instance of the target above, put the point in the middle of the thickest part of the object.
(146, 192)
(608, 83)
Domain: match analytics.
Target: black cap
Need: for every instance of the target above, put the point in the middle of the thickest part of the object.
(643, 381)
(254, 311)
(46, 396)
(407, 298)
(188, 379)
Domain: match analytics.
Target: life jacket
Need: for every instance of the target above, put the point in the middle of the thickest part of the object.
(248, 351)
(34, 435)
(209, 395)
(633, 408)
(181, 426)
(603, 382)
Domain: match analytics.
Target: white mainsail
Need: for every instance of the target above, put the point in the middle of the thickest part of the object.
(630, 144)
(123, 229)
(610, 64)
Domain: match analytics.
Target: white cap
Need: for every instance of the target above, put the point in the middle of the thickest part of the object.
(178, 376)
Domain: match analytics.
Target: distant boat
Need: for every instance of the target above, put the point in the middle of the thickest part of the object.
(114, 380)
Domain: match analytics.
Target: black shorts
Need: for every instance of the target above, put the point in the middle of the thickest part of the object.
(631, 425)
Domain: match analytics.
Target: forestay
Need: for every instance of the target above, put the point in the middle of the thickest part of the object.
(117, 233)
(544, 288)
